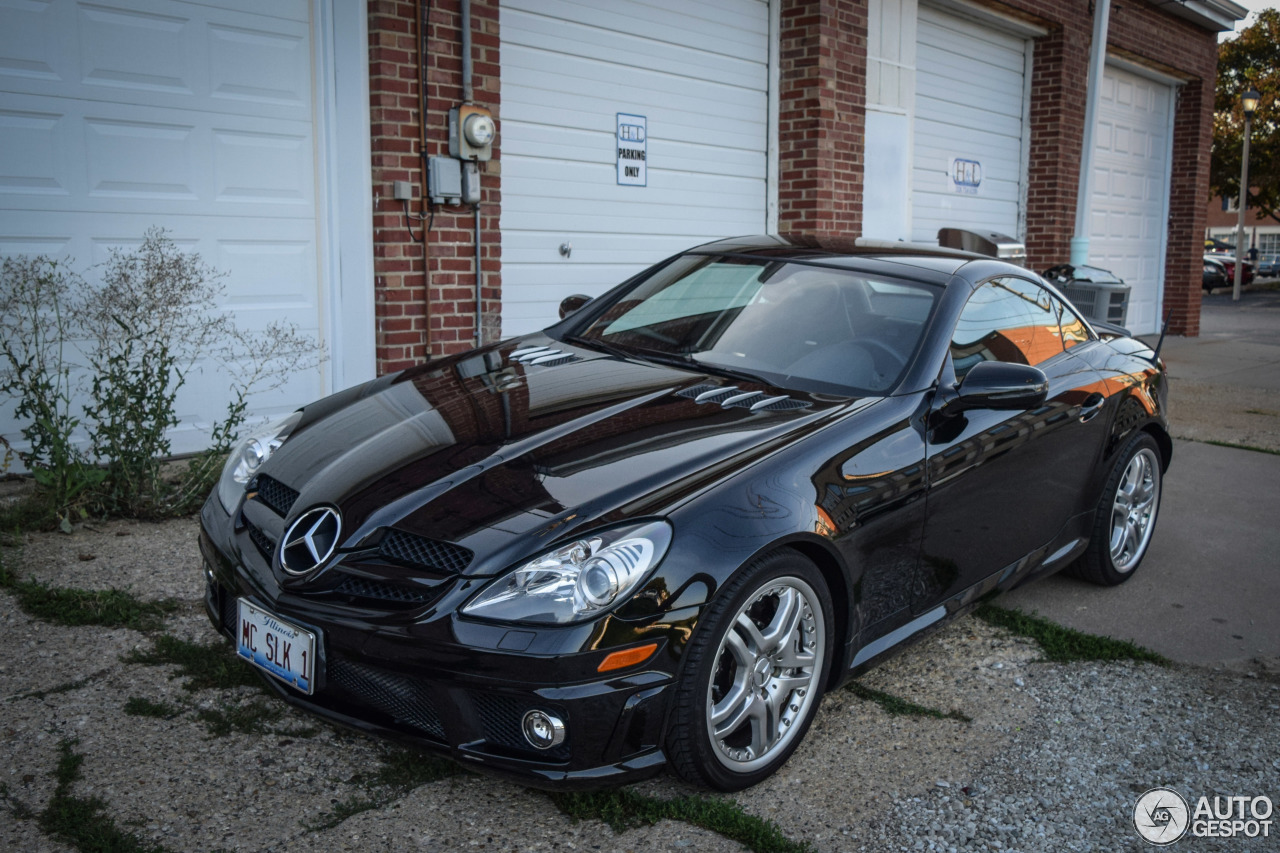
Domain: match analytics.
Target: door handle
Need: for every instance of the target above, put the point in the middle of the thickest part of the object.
(1091, 406)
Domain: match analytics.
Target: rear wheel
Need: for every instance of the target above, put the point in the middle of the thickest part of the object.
(1126, 516)
(753, 674)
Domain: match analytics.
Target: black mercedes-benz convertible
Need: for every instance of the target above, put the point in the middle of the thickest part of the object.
(656, 533)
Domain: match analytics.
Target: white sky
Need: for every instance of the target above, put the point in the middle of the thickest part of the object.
(1252, 6)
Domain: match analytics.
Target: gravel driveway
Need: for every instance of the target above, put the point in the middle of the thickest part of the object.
(1052, 756)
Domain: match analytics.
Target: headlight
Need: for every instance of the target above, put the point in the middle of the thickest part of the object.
(248, 455)
(576, 581)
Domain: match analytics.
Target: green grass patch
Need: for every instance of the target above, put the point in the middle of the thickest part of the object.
(137, 706)
(401, 771)
(341, 811)
(65, 687)
(1255, 449)
(33, 511)
(900, 707)
(110, 608)
(624, 809)
(83, 822)
(1061, 644)
(249, 718)
(203, 665)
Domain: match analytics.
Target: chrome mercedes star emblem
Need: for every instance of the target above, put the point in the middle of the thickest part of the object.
(310, 540)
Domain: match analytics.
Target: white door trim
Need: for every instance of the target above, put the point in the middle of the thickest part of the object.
(344, 190)
(1024, 158)
(773, 112)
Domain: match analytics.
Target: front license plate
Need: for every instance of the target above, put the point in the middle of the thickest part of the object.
(276, 646)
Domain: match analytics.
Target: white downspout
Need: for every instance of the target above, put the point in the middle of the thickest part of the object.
(1097, 61)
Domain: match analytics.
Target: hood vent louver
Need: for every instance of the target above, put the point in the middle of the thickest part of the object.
(542, 356)
(733, 397)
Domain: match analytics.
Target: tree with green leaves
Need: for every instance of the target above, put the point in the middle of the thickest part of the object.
(1250, 60)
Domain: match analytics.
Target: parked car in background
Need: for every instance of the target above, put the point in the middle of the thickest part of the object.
(1229, 264)
(656, 533)
(1215, 274)
(1268, 266)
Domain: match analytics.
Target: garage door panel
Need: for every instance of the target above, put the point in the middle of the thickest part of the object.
(588, 248)
(676, 23)
(687, 190)
(164, 54)
(589, 116)
(1129, 204)
(125, 158)
(697, 72)
(970, 99)
(539, 33)
(616, 83)
(574, 145)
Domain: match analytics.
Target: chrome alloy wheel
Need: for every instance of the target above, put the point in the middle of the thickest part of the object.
(762, 685)
(1133, 510)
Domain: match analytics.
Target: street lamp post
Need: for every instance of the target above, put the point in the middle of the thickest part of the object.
(1249, 101)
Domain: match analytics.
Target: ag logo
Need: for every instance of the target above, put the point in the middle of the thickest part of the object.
(1161, 816)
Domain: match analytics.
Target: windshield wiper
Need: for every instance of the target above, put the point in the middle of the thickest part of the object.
(684, 362)
(687, 362)
(596, 343)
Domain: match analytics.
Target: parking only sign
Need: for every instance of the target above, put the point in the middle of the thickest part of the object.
(633, 150)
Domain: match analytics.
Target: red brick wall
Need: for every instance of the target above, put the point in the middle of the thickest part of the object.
(822, 115)
(425, 295)
(1217, 217)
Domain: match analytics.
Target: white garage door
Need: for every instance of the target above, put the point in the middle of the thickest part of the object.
(1130, 203)
(696, 72)
(969, 124)
(196, 117)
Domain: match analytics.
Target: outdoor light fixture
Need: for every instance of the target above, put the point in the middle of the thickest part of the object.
(1249, 100)
(1249, 103)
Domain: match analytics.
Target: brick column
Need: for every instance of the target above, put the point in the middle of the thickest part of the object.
(1058, 81)
(1189, 187)
(822, 116)
(424, 292)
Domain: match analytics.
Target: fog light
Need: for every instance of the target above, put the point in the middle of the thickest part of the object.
(542, 730)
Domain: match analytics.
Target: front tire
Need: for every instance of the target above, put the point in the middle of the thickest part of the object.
(753, 674)
(1126, 516)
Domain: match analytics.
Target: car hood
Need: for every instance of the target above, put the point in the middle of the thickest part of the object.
(499, 449)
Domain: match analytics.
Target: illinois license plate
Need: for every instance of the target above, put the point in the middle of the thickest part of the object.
(276, 646)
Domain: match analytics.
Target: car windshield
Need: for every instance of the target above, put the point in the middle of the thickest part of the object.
(790, 324)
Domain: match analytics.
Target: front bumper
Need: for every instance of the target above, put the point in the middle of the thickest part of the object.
(421, 684)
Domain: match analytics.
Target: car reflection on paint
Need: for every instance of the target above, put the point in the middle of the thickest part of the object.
(655, 534)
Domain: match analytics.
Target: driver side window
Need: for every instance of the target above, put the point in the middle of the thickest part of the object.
(1007, 319)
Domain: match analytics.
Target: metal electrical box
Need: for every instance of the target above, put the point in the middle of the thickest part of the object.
(444, 180)
(990, 243)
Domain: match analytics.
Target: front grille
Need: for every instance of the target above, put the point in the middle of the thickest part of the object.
(501, 717)
(381, 591)
(266, 545)
(406, 700)
(230, 612)
(428, 553)
(276, 494)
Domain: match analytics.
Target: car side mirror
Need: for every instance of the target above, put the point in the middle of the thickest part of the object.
(1001, 385)
(570, 304)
